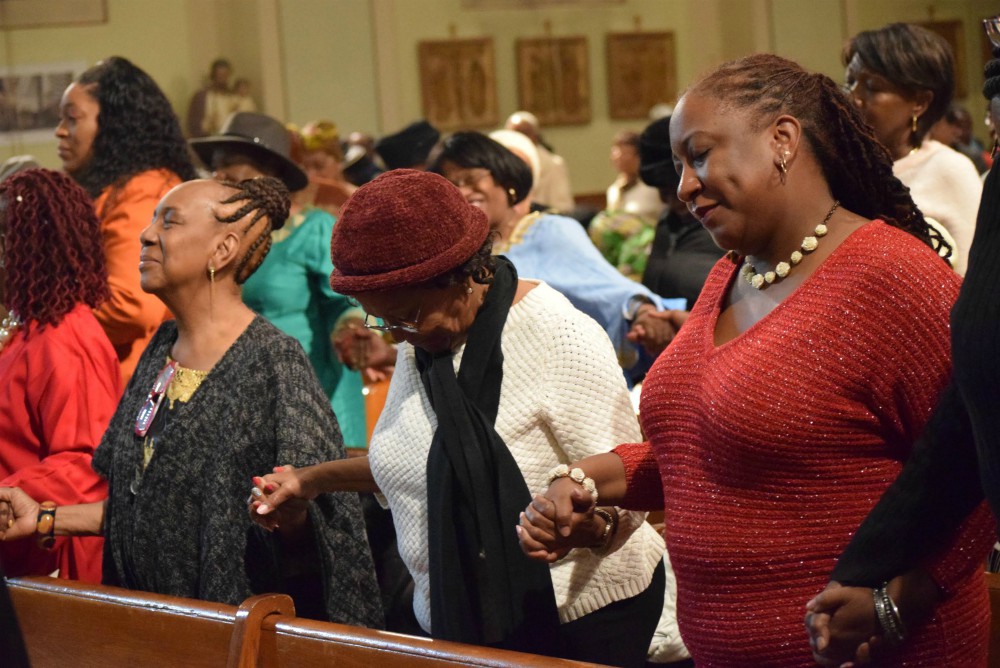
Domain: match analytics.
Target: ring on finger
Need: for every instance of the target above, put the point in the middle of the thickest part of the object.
(255, 492)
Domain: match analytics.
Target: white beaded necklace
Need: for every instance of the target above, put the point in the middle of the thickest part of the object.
(8, 327)
(808, 245)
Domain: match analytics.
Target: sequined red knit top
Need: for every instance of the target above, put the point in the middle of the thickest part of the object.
(770, 449)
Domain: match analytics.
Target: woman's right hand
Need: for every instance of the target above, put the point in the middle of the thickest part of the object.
(18, 514)
(559, 520)
(364, 349)
(281, 497)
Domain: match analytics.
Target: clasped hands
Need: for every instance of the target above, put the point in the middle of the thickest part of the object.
(559, 520)
(280, 499)
(364, 349)
(654, 330)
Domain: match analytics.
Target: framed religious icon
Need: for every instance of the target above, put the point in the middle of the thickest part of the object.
(458, 83)
(642, 72)
(553, 79)
(952, 33)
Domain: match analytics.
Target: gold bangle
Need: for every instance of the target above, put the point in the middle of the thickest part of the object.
(45, 528)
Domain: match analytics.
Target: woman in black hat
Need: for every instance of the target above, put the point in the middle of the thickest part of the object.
(292, 287)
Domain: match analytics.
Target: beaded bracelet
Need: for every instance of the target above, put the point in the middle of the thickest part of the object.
(46, 525)
(888, 616)
(576, 475)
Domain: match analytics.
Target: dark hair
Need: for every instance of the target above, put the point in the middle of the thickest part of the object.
(220, 62)
(856, 166)
(268, 199)
(474, 149)
(480, 268)
(627, 138)
(53, 251)
(913, 58)
(137, 129)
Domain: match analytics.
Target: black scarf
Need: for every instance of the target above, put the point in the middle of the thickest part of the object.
(484, 590)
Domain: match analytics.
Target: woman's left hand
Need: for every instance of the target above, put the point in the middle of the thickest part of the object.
(540, 539)
(842, 625)
(276, 500)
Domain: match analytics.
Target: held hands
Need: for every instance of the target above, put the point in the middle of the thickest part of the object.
(281, 499)
(654, 330)
(842, 625)
(558, 521)
(18, 514)
(360, 348)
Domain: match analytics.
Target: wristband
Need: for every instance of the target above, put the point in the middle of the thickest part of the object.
(45, 528)
(576, 475)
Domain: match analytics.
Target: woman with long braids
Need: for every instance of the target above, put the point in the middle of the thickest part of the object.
(792, 396)
(58, 371)
(218, 394)
(120, 139)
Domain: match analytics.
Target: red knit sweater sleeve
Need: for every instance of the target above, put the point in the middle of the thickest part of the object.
(644, 486)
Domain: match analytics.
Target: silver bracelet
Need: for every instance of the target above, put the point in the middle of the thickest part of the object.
(888, 616)
(610, 526)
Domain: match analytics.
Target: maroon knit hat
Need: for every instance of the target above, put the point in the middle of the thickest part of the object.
(403, 228)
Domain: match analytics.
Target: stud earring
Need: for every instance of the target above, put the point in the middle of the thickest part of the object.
(468, 290)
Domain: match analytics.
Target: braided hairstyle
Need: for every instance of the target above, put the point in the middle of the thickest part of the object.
(268, 200)
(52, 247)
(856, 166)
(137, 129)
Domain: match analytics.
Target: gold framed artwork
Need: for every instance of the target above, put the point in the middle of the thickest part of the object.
(38, 14)
(642, 72)
(553, 79)
(458, 83)
(952, 32)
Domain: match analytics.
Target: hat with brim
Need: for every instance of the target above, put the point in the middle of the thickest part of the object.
(259, 137)
(404, 228)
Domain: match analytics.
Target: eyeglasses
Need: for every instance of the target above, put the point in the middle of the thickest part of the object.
(144, 420)
(992, 28)
(470, 177)
(405, 326)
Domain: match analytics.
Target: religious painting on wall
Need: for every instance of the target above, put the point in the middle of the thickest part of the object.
(952, 32)
(44, 13)
(642, 72)
(458, 83)
(553, 79)
(29, 100)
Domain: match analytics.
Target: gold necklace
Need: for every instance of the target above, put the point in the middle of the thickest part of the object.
(516, 233)
(8, 327)
(808, 245)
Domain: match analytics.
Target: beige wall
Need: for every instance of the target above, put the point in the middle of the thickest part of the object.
(354, 61)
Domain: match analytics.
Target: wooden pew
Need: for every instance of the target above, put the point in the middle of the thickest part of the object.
(72, 624)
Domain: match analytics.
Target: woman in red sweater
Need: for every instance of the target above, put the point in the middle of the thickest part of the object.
(790, 399)
(58, 371)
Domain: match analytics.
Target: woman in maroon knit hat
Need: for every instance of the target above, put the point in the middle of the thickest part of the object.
(498, 382)
(795, 390)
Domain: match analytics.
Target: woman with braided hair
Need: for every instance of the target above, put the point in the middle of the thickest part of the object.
(218, 394)
(955, 463)
(59, 372)
(790, 398)
(120, 139)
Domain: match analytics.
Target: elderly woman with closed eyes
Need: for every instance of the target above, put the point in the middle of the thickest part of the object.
(498, 381)
(218, 394)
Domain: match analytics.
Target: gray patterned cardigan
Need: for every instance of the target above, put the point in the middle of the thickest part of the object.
(186, 531)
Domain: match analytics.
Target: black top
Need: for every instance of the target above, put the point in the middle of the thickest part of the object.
(940, 484)
(682, 255)
(185, 530)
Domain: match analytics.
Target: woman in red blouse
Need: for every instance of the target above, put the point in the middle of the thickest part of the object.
(791, 397)
(58, 371)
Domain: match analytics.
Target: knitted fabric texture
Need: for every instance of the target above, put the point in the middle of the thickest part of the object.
(563, 398)
(769, 450)
(401, 229)
(187, 532)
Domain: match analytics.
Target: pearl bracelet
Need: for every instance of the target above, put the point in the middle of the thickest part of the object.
(576, 475)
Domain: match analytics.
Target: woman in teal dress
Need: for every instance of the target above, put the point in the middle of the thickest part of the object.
(292, 287)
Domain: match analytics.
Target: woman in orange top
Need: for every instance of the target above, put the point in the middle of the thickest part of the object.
(120, 139)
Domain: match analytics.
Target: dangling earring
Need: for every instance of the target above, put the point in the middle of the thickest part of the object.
(913, 124)
(211, 290)
(211, 273)
(783, 168)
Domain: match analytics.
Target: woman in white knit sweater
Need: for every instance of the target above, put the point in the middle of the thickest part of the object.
(498, 381)
(902, 79)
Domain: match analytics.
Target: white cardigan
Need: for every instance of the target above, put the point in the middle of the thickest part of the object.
(563, 398)
(945, 186)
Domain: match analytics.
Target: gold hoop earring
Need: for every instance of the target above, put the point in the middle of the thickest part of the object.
(211, 273)
(782, 169)
(913, 124)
